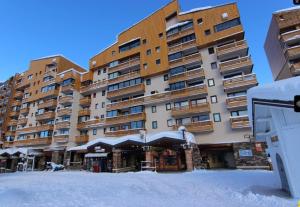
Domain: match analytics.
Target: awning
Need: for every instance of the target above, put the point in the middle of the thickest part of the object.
(92, 155)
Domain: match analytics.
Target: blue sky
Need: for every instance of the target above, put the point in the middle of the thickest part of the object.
(79, 29)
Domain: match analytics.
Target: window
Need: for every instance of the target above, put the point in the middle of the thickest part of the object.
(157, 62)
(148, 81)
(96, 106)
(214, 65)
(145, 66)
(166, 77)
(227, 25)
(175, 56)
(168, 106)
(154, 125)
(217, 117)
(148, 52)
(240, 93)
(104, 70)
(170, 122)
(160, 35)
(200, 21)
(103, 104)
(125, 84)
(136, 109)
(113, 75)
(137, 124)
(99, 71)
(214, 99)
(130, 45)
(211, 82)
(198, 101)
(102, 116)
(177, 86)
(157, 49)
(29, 77)
(182, 27)
(94, 131)
(203, 117)
(103, 93)
(94, 95)
(153, 109)
(211, 50)
(144, 41)
(207, 32)
(177, 70)
(239, 113)
(113, 113)
(113, 53)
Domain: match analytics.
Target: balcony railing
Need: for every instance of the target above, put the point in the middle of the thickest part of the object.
(53, 93)
(194, 91)
(81, 139)
(31, 142)
(140, 88)
(122, 132)
(232, 48)
(188, 75)
(93, 87)
(66, 100)
(128, 76)
(67, 88)
(182, 46)
(22, 121)
(46, 127)
(190, 109)
(290, 36)
(8, 144)
(64, 112)
(295, 68)
(240, 64)
(61, 138)
(125, 118)
(46, 115)
(239, 122)
(125, 65)
(13, 122)
(236, 102)
(23, 84)
(240, 82)
(10, 133)
(62, 125)
(14, 113)
(292, 52)
(185, 60)
(85, 101)
(198, 127)
(19, 94)
(48, 104)
(180, 34)
(66, 76)
(84, 112)
(24, 110)
(90, 124)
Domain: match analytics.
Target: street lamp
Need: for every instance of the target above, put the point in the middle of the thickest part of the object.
(186, 145)
(143, 136)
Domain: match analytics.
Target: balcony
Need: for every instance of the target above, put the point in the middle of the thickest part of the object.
(198, 127)
(46, 127)
(67, 88)
(24, 111)
(14, 114)
(8, 144)
(22, 85)
(239, 83)
(13, 122)
(85, 101)
(31, 142)
(182, 46)
(196, 57)
(243, 64)
(45, 116)
(50, 72)
(125, 118)
(180, 34)
(125, 65)
(22, 121)
(100, 85)
(235, 103)
(62, 125)
(122, 132)
(16, 103)
(19, 94)
(64, 112)
(61, 138)
(51, 93)
(295, 68)
(90, 124)
(128, 76)
(81, 139)
(239, 122)
(131, 90)
(84, 112)
(10, 133)
(239, 48)
(290, 36)
(190, 110)
(188, 75)
(65, 100)
(67, 75)
(292, 52)
(52, 103)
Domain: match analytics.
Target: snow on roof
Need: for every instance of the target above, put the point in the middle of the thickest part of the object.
(136, 138)
(12, 151)
(177, 25)
(287, 9)
(196, 9)
(50, 56)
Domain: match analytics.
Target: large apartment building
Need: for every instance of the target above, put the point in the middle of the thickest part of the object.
(282, 44)
(169, 70)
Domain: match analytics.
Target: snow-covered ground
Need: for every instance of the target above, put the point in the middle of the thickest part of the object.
(233, 188)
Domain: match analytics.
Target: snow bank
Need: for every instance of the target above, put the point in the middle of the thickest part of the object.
(200, 188)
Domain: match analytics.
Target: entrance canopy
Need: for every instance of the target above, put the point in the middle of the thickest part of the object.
(138, 139)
